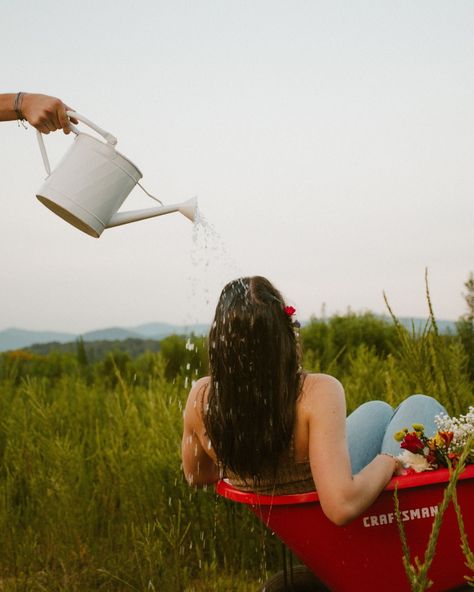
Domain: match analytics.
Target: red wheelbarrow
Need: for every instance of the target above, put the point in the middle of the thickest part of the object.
(367, 554)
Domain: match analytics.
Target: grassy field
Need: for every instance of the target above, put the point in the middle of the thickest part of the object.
(91, 491)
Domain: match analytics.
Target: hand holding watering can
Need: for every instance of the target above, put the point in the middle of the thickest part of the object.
(92, 180)
(45, 113)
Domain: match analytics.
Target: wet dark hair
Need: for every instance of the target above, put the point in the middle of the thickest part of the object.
(254, 378)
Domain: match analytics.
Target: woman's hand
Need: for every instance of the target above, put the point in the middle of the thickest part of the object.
(45, 113)
(399, 468)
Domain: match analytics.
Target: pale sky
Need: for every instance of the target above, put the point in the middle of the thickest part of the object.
(330, 144)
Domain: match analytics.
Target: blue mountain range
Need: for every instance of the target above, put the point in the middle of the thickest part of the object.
(11, 339)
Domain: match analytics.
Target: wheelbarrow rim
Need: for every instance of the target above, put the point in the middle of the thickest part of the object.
(227, 490)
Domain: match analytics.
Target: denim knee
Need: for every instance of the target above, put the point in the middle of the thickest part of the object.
(418, 399)
(366, 428)
(415, 409)
(418, 409)
(379, 407)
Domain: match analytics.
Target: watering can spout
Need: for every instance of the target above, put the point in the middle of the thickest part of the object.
(187, 208)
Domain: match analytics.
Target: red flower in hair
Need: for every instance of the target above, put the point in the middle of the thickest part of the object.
(290, 310)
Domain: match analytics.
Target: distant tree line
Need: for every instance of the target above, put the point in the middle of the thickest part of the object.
(328, 345)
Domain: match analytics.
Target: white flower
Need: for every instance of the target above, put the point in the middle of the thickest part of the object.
(417, 462)
(462, 427)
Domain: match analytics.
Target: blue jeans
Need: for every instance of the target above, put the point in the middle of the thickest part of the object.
(370, 428)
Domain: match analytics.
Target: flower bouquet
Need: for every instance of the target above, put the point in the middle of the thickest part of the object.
(444, 449)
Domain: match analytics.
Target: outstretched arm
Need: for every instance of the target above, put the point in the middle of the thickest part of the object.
(43, 112)
(199, 468)
(343, 496)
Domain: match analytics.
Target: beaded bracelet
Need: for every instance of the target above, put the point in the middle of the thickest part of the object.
(17, 106)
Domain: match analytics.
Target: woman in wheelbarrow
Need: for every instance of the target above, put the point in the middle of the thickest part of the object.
(262, 422)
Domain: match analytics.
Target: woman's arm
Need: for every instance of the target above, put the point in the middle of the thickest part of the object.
(343, 496)
(43, 112)
(7, 113)
(199, 468)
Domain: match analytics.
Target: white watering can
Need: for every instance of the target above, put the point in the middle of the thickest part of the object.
(91, 182)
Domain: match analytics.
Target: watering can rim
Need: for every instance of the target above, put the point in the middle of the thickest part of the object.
(112, 147)
(110, 140)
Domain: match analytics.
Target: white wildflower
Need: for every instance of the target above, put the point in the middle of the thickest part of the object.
(462, 428)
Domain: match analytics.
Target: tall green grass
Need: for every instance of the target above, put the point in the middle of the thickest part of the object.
(92, 495)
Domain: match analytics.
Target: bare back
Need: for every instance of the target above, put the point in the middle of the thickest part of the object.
(319, 440)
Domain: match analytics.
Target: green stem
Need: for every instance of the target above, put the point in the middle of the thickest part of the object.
(417, 572)
(466, 549)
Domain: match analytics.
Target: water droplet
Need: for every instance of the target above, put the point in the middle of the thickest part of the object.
(211, 265)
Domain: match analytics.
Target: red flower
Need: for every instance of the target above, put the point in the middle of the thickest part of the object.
(446, 437)
(454, 458)
(412, 443)
(290, 310)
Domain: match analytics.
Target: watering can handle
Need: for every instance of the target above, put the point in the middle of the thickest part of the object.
(110, 139)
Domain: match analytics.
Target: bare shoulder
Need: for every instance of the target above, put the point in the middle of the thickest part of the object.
(321, 383)
(197, 396)
(319, 389)
(200, 385)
